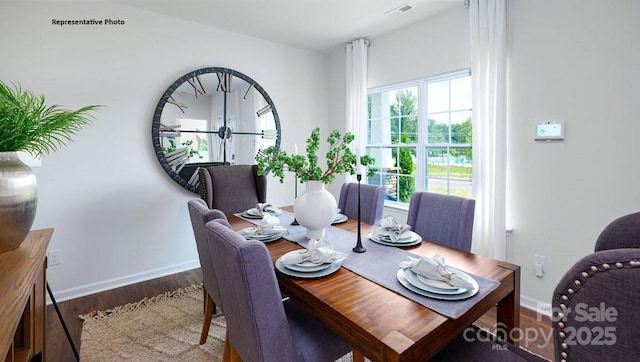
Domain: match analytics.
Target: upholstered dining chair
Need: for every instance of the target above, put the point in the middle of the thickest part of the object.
(606, 285)
(232, 188)
(200, 214)
(260, 326)
(371, 201)
(443, 219)
(595, 317)
(623, 232)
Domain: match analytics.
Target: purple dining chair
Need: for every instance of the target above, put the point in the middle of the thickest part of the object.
(595, 316)
(371, 201)
(200, 214)
(623, 232)
(232, 188)
(442, 219)
(260, 326)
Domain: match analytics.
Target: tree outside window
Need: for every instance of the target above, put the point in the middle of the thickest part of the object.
(436, 156)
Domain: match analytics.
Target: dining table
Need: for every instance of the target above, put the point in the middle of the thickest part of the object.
(383, 322)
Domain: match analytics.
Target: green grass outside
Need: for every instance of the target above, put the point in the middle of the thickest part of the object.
(457, 172)
(461, 193)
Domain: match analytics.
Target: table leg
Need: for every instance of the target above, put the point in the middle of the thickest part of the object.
(508, 312)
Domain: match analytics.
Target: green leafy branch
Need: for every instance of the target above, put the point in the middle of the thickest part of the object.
(27, 124)
(339, 159)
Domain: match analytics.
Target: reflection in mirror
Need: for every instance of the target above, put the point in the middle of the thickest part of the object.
(212, 116)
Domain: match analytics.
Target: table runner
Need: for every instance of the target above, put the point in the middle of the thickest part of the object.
(380, 263)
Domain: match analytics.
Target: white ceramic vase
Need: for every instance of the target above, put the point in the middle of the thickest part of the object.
(315, 209)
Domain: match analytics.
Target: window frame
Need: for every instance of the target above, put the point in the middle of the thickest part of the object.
(420, 174)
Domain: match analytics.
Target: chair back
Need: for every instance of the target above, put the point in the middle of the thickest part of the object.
(623, 232)
(200, 214)
(443, 219)
(598, 298)
(232, 188)
(257, 325)
(371, 202)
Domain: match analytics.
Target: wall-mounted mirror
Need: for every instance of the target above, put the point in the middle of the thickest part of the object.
(212, 116)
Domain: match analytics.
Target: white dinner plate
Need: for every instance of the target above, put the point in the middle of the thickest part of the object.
(414, 240)
(332, 268)
(413, 279)
(255, 213)
(271, 238)
(444, 285)
(405, 283)
(340, 218)
(307, 267)
(406, 237)
(250, 233)
(250, 216)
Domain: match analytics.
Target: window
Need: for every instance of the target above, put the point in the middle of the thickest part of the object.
(420, 135)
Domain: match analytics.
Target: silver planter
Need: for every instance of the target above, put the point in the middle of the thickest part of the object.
(18, 200)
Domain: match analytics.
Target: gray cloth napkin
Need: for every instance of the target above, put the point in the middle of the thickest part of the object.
(267, 226)
(267, 209)
(434, 268)
(319, 251)
(389, 227)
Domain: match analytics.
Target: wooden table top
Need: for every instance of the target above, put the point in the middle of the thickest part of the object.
(384, 325)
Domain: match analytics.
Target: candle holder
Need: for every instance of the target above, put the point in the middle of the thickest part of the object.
(295, 222)
(359, 248)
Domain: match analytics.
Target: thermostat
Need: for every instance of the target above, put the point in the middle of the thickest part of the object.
(547, 131)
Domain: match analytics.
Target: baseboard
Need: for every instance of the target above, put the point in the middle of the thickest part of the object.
(535, 305)
(81, 291)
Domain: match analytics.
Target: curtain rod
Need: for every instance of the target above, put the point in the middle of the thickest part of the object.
(366, 41)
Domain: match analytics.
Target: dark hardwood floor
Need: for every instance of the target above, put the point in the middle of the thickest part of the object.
(59, 350)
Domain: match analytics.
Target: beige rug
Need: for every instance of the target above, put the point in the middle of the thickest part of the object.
(163, 328)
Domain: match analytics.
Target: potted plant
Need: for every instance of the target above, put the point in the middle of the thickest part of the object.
(27, 124)
(316, 208)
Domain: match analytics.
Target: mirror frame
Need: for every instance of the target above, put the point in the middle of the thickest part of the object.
(157, 115)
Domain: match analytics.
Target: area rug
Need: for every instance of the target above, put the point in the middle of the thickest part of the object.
(163, 328)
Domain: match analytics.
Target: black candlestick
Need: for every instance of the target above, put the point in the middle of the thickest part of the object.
(359, 248)
(295, 222)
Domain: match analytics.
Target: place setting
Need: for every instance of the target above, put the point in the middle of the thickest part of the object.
(391, 233)
(318, 260)
(339, 218)
(431, 277)
(266, 231)
(260, 210)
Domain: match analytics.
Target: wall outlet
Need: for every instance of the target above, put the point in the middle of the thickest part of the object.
(538, 265)
(55, 257)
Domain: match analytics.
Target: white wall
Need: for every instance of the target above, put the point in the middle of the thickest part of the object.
(434, 46)
(574, 61)
(118, 218)
(571, 60)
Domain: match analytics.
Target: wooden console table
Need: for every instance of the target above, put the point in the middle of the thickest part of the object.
(23, 299)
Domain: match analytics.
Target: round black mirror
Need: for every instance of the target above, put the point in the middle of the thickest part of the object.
(212, 116)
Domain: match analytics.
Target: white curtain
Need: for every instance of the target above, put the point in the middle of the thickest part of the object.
(357, 90)
(488, 69)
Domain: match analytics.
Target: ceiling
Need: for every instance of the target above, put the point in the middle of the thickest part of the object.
(316, 25)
